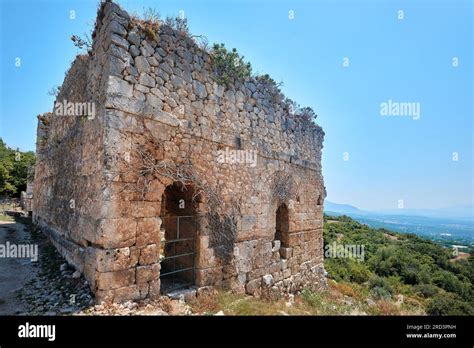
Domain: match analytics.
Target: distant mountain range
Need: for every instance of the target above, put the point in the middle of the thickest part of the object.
(452, 223)
(463, 212)
(342, 208)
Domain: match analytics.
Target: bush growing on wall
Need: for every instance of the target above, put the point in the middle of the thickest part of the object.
(179, 24)
(229, 65)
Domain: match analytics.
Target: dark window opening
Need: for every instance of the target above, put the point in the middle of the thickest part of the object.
(282, 226)
(320, 199)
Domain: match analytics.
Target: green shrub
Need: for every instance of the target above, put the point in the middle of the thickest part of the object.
(358, 272)
(380, 293)
(307, 113)
(380, 287)
(448, 281)
(179, 24)
(337, 269)
(426, 290)
(269, 85)
(448, 304)
(229, 65)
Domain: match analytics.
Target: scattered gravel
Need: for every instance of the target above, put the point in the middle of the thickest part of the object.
(57, 288)
(162, 306)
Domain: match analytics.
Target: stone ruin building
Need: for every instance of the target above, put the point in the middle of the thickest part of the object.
(176, 180)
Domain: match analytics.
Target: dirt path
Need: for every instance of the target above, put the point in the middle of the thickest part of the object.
(49, 286)
(14, 272)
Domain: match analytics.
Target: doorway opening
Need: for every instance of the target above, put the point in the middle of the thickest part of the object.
(178, 238)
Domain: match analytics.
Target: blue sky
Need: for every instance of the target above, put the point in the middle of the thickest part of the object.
(408, 60)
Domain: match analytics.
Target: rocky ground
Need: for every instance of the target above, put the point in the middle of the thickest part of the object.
(162, 306)
(50, 286)
(14, 272)
(53, 287)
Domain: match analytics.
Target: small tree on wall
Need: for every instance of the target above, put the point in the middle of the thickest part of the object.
(229, 65)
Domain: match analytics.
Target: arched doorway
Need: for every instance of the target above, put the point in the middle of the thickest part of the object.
(282, 226)
(177, 237)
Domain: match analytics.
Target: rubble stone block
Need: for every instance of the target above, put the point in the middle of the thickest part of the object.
(115, 279)
(148, 273)
(149, 254)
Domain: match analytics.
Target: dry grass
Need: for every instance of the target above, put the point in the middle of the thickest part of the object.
(6, 218)
(389, 236)
(332, 221)
(238, 304)
(344, 289)
(339, 299)
(384, 307)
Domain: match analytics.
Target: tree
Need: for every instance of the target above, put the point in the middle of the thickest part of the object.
(6, 187)
(448, 304)
(448, 282)
(14, 169)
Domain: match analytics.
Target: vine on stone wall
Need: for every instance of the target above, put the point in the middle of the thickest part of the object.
(222, 234)
(222, 218)
(283, 187)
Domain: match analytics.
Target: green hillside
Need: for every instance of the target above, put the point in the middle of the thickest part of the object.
(397, 264)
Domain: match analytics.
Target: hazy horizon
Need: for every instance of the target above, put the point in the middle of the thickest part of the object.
(402, 210)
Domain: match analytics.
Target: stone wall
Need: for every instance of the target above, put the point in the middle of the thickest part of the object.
(160, 98)
(69, 185)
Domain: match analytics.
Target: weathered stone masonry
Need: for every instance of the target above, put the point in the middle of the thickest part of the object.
(160, 99)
